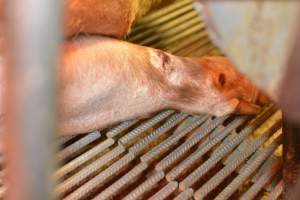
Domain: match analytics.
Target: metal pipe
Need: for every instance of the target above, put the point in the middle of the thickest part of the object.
(33, 36)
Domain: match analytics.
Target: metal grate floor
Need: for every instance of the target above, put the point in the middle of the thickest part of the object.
(173, 155)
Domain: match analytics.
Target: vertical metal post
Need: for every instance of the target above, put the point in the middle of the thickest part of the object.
(33, 37)
(290, 103)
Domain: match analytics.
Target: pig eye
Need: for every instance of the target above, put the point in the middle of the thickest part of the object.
(222, 79)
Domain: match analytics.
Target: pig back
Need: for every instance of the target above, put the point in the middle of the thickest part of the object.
(105, 17)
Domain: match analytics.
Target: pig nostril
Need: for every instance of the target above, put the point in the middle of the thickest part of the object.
(222, 79)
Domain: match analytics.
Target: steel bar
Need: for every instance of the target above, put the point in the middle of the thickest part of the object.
(34, 34)
(123, 182)
(164, 11)
(82, 175)
(121, 127)
(76, 146)
(76, 162)
(137, 148)
(180, 36)
(173, 139)
(183, 34)
(145, 186)
(127, 139)
(185, 195)
(165, 191)
(101, 178)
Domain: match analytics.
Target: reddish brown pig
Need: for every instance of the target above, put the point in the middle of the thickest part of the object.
(104, 81)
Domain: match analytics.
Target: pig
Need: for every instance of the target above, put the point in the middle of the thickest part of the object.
(103, 81)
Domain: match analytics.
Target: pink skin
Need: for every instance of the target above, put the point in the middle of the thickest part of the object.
(103, 81)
